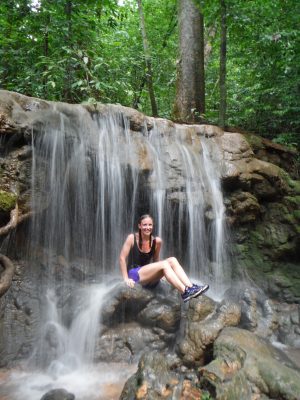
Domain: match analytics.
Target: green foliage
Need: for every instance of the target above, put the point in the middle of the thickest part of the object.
(206, 396)
(70, 50)
(290, 139)
(262, 66)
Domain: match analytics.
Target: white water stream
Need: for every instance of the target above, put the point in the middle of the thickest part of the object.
(71, 366)
(99, 178)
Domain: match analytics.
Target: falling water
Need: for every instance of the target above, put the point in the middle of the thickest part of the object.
(64, 354)
(91, 179)
(218, 230)
(100, 178)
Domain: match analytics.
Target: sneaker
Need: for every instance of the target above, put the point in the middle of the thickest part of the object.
(204, 287)
(194, 291)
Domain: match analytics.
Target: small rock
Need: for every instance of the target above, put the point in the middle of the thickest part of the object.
(58, 394)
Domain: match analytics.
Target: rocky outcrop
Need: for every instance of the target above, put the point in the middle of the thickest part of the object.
(262, 202)
(205, 320)
(138, 320)
(262, 199)
(252, 181)
(246, 367)
(217, 359)
(176, 341)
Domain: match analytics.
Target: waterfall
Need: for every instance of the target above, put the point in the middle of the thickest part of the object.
(92, 177)
(71, 347)
(82, 193)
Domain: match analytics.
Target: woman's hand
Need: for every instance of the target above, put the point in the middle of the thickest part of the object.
(129, 282)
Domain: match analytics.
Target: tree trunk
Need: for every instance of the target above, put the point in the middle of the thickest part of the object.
(68, 80)
(223, 50)
(147, 61)
(46, 54)
(190, 87)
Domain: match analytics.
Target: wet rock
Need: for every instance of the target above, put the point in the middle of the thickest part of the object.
(245, 365)
(126, 342)
(152, 381)
(258, 312)
(163, 311)
(244, 208)
(136, 320)
(203, 326)
(125, 302)
(58, 394)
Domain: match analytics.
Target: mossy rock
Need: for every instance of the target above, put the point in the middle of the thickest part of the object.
(7, 201)
(295, 185)
(287, 281)
(293, 201)
(296, 214)
(254, 141)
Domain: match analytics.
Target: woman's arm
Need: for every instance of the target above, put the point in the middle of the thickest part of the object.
(123, 259)
(157, 249)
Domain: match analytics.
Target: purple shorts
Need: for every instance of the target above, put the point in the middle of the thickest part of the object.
(133, 274)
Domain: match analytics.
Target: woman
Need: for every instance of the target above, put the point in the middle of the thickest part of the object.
(139, 262)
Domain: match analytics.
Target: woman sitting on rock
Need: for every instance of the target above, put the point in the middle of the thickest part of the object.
(139, 262)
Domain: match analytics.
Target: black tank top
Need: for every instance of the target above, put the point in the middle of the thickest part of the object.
(138, 258)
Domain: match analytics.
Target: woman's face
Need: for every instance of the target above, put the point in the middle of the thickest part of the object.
(146, 226)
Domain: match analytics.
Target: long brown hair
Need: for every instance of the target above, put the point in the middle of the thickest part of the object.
(140, 233)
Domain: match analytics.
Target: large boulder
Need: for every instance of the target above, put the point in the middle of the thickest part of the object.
(246, 367)
(137, 320)
(205, 320)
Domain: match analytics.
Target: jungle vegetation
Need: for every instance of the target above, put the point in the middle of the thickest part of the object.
(130, 52)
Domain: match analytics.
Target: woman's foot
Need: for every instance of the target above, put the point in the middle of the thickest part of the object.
(194, 291)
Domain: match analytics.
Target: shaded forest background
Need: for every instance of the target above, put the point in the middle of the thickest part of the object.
(78, 51)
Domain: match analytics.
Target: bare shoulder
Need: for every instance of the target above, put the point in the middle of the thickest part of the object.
(158, 240)
(130, 238)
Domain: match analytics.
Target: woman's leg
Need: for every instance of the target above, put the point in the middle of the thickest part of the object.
(153, 272)
(179, 271)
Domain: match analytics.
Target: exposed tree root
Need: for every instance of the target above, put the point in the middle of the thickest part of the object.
(15, 219)
(7, 275)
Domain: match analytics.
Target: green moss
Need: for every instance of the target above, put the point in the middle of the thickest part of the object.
(292, 200)
(289, 218)
(293, 184)
(7, 201)
(254, 141)
(287, 276)
(296, 213)
(256, 236)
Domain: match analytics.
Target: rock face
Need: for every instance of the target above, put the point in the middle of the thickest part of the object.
(262, 195)
(138, 320)
(245, 366)
(205, 320)
(187, 351)
(236, 363)
(262, 199)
